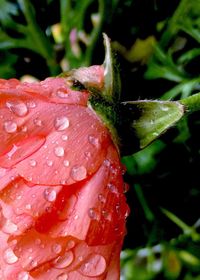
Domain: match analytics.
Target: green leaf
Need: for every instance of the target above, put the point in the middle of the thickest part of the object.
(7, 10)
(7, 61)
(189, 258)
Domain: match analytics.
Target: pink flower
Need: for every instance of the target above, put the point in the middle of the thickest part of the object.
(62, 205)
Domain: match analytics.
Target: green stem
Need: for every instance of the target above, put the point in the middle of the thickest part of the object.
(148, 213)
(191, 103)
(37, 37)
(95, 33)
(173, 25)
(65, 14)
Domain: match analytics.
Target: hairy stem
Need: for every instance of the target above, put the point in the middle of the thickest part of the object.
(191, 103)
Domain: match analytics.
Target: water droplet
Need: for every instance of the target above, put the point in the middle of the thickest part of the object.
(59, 151)
(9, 227)
(93, 140)
(117, 207)
(107, 163)
(33, 263)
(95, 266)
(56, 248)
(33, 162)
(101, 198)
(64, 260)
(164, 108)
(126, 213)
(92, 214)
(18, 108)
(23, 276)
(62, 92)
(50, 195)
(64, 137)
(87, 155)
(106, 215)
(37, 122)
(70, 244)
(61, 123)
(78, 173)
(31, 104)
(63, 276)
(49, 163)
(24, 128)
(112, 188)
(18, 197)
(66, 163)
(38, 241)
(10, 127)
(155, 134)
(9, 256)
(125, 187)
(29, 178)
(28, 206)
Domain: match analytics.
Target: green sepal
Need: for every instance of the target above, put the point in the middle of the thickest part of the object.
(112, 81)
(149, 119)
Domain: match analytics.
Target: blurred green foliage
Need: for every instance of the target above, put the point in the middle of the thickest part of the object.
(157, 44)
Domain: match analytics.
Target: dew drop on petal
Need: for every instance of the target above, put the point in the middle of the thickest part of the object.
(92, 213)
(64, 260)
(93, 140)
(63, 276)
(78, 173)
(87, 155)
(107, 163)
(18, 108)
(125, 187)
(49, 163)
(24, 128)
(56, 248)
(31, 104)
(66, 163)
(9, 256)
(117, 207)
(95, 266)
(50, 195)
(64, 137)
(101, 198)
(105, 214)
(33, 263)
(112, 188)
(28, 206)
(38, 241)
(33, 163)
(29, 178)
(70, 244)
(9, 227)
(10, 127)
(37, 122)
(59, 151)
(62, 93)
(61, 123)
(23, 276)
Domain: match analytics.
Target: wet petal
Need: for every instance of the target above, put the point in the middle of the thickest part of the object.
(72, 150)
(101, 209)
(62, 208)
